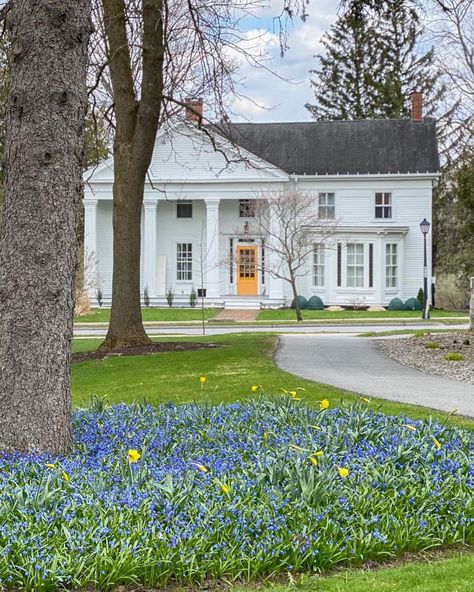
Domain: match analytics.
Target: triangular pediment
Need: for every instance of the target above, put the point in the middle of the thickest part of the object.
(183, 152)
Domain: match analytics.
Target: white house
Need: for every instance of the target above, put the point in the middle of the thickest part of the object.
(375, 178)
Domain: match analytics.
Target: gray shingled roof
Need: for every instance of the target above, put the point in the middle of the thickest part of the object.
(342, 147)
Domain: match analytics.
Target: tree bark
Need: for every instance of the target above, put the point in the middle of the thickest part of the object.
(43, 185)
(299, 316)
(471, 307)
(137, 125)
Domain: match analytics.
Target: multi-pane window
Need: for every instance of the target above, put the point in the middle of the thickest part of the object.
(184, 209)
(383, 205)
(318, 266)
(391, 265)
(327, 206)
(247, 263)
(247, 208)
(355, 265)
(184, 262)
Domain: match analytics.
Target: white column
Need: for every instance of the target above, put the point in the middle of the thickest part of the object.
(275, 284)
(149, 246)
(90, 246)
(211, 263)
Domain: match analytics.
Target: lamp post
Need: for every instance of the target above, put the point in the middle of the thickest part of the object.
(425, 228)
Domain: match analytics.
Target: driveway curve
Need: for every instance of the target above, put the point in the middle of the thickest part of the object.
(356, 364)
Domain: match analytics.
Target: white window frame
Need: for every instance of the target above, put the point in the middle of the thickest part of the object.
(184, 262)
(324, 206)
(386, 205)
(356, 265)
(319, 266)
(391, 265)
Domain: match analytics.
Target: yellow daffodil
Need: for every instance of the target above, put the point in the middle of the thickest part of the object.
(296, 398)
(133, 456)
(436, 442)
(365, 400)
(65, 476)
(343, 472)
(317, 453)
(224, 488)
(50, 466)
(409, 427)
(201, 468)
(313, 461)
(315, 427)
(202, 379)
(324, 404)
(255, 388)
(292, 393)
(298, 448)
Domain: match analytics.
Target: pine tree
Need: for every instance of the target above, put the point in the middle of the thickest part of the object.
(405, 67)
(372, 63)
(345, 84)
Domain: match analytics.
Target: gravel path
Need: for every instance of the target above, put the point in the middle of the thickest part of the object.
(358, 364)
(428, 353)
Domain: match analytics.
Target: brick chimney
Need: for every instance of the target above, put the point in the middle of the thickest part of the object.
(194, 109)
(416, 106)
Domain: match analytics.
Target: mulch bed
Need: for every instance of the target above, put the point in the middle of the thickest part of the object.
(417, 353)
(142, 350)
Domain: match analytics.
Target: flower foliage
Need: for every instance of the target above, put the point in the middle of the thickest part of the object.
(260, 506)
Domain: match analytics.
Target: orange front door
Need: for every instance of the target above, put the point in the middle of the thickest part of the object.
(247, 276)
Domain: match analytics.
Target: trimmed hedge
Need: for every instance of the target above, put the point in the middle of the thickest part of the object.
(413, 304)
(396, 304)
(302, 300)
(315, 303)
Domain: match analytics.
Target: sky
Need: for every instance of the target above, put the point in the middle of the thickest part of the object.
(283, 95)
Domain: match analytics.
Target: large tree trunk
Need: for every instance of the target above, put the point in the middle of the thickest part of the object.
(43, 185)
(137, 124)
(126, 326)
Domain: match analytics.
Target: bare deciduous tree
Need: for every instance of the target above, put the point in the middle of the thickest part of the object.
(157, 52)
(289, 224)
(43, 185)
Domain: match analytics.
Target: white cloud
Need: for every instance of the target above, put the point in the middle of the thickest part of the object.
(283, 95)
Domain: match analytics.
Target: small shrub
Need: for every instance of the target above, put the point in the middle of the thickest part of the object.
(193, 298)
(170, 297)
(432, 345)
(146, 297)
(315, 303)
(396, 304)
(413, 304)
(454, 357)
(302, 300)
(100, 297)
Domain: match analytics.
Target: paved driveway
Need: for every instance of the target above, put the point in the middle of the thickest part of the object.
(355, 364)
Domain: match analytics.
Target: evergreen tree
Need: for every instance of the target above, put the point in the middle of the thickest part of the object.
(453, 222)
(346, 82)
(405, 67)
(372, 63)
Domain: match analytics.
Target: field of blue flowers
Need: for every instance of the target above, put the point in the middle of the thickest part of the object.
(188, 492)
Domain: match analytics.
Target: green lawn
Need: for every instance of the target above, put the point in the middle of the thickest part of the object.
(455, 574)
(102, 315)
(242, 361)
(287, 314)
